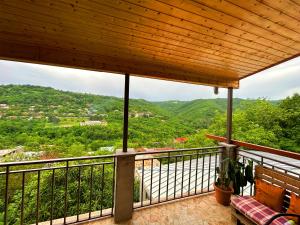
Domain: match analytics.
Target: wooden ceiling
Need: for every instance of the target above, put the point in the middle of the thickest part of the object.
(215, 42)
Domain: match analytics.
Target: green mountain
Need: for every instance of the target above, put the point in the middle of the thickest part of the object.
(42, 118)
(33, 100)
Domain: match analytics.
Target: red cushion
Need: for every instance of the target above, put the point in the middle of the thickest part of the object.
(256, 211)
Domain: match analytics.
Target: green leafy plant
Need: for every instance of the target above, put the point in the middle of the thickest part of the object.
(234, 174)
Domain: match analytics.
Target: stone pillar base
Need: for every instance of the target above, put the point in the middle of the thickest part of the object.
(124, 184)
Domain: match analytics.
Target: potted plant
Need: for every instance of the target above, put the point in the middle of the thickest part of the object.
(231, 178)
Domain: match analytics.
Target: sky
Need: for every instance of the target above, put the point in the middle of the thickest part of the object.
(275, 83)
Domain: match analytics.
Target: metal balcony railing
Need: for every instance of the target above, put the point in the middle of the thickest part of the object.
(61, 191)
(168, 175)
(76, 190)
(277, 162)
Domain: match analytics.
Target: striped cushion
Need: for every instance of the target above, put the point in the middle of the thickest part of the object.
(256, 211)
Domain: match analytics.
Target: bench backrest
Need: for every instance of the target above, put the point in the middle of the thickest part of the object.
(289, 182)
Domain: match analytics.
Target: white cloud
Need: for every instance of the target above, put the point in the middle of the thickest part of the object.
(274, 83)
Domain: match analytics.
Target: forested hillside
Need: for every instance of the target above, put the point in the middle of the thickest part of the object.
(63, 123)
(53, 123)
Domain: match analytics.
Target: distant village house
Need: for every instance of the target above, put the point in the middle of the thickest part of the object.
(93, 123)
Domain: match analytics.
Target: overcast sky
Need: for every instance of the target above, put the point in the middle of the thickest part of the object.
(275, 83)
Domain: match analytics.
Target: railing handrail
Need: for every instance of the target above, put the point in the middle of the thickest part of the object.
(98, 157)
(269, 158)
(55, 160)
(186, 155)
(261, 148)
(177, 150)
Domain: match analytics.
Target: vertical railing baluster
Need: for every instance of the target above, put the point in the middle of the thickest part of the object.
(66, 192)
(151, 181)
(38, 199)
(113, 187)
(142, 194)
(175, 178)
(243, 172)
(22, 201)
(196, 176)
(52, 196)
(251, 185)
(102, 189)
(159, 182)
(182, 173)
(91, 190)
(78, 192)
(168, 172)
(202, 177)
(209, 165)
(6, 195)
(216, 161)
(190, 174)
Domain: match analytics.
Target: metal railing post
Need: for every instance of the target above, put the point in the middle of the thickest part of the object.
(229, 115)
(124, 185)
(126, 113)
(6, 195)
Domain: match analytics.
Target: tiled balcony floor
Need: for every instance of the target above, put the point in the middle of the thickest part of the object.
(199, 210)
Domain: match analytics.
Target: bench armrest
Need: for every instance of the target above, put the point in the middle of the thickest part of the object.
(279, 215)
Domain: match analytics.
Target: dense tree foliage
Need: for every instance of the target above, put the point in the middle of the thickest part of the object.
(260, 122)
(48, 121)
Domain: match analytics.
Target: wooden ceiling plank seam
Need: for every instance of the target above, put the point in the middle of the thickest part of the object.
(126, 17)
(282, 41)
(245, 65)
(256, 8)
(155, 28)
(265, 18)
(287, 6)
(231, 49)
(242, 33)
(245, 31)
(159, 60)
(86, 56)
(197, 32)
(194, 58)
(246, 43)
(282, 10)
(234, 7)
(127, 52)
(295, 2)
(202, 69)
(270, 66)
(204, 52)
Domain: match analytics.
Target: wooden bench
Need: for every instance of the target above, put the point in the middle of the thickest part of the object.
(286, 181)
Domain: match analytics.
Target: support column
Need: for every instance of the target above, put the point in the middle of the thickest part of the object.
(126, 108)
(229, 115)
(124, 184)
(228, 151)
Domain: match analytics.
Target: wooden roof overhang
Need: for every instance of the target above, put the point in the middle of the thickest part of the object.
(215, 42)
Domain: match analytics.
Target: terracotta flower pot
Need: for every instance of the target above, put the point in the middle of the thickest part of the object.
(223, 196)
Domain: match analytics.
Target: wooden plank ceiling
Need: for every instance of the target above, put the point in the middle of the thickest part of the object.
(215, 42)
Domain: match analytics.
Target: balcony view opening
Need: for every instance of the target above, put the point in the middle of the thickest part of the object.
(150, 112)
